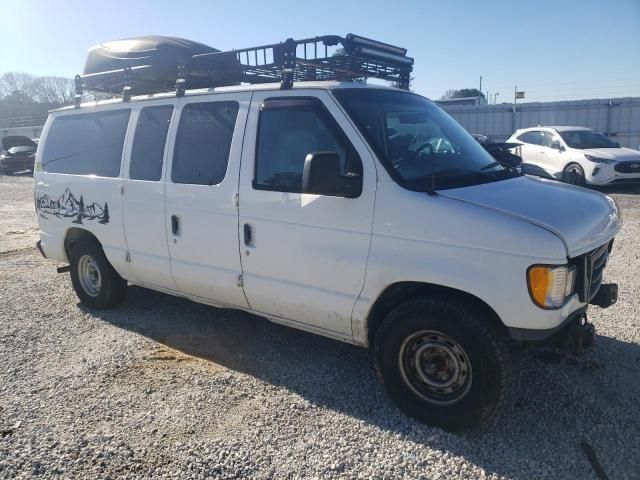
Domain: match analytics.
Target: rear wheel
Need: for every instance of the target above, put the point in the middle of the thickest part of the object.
(95, 281)
(443, 363)
(573, 174)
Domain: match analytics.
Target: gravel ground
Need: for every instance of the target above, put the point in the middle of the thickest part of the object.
(18, 224)
(165, 388)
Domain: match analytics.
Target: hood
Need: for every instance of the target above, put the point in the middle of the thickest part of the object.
(11, 141)
(621, 154)
(583, 219)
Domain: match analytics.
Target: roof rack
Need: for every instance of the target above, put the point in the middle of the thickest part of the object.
(328, 57)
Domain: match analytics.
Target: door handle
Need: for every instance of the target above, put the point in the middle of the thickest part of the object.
(248, 235)
(175, 225)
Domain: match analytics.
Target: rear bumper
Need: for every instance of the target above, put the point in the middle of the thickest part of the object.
(39, 247)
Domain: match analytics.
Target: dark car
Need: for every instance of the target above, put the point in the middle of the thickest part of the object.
(502, 152)
(20, 154)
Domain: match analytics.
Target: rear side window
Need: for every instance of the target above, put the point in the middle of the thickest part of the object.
(86, 143)
(288, 131)
(148, 143)
(534, 138)
(203, 142)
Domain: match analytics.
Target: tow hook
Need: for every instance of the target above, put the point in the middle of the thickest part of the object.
(607, 295)
(580, 336)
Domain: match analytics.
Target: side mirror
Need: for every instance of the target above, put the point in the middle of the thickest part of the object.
(556, 145)
(321, 176)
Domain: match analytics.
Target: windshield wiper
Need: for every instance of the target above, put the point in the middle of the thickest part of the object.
(449, 172)
(490, 165)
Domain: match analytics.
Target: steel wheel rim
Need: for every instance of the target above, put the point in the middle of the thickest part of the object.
(89, 275)
(435, 367)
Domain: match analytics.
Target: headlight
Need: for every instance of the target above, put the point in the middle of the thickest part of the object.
(549, 285)
(608, 161)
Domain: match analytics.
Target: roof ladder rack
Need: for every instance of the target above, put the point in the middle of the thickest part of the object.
(322, 58)
(126, 89)
(181, 82)
(288, 63)
(77, 98)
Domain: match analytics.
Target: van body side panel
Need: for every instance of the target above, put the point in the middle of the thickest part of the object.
(144, 212)
(51, 234)
(67, 201)
(306, 259)
(71, 194)
(436, 240)
(205, 260)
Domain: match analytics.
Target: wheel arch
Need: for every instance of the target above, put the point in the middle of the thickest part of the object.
(74, 235)
(400, 292)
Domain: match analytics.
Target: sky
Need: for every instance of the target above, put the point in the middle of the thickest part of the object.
(552, 50)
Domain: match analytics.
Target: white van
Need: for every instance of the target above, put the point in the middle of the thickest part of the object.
(359, 212)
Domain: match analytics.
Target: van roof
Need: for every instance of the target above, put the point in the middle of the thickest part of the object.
(322, 85)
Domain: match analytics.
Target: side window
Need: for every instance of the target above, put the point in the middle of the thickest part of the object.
(529, 137)
(86, 143)
(203, 142)
(290, 129)
(547, 138)
(148, 144)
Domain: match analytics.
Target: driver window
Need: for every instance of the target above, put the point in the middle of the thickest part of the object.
(287, 133)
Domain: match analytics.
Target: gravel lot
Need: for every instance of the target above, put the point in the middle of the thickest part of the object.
(165, 388)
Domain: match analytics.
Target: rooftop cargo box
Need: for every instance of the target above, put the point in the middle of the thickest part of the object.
(155, 63)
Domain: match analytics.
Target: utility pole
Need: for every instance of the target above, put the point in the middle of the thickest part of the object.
(480, 89)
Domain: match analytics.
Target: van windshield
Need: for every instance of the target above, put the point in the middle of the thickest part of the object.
(420, 145)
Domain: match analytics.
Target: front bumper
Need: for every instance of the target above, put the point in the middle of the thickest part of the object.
(575, 331)
(534, 335)
(606, 174)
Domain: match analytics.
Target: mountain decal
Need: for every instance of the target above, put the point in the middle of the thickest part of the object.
(68, 205)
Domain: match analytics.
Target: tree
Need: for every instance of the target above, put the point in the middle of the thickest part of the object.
(12, 83)
(53, 90)
(25, 99)
(462, 93)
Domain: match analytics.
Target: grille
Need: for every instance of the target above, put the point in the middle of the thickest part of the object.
(628, 167)
(590, 271)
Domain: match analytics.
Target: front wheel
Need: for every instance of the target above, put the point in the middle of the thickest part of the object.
(95, 281)
(573, 174)
(442, 363)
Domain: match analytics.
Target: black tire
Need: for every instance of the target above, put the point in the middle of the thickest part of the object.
(573, 174)
(477, 348)
(112, 287)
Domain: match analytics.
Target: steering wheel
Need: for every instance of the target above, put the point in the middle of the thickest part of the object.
(417, 151)
(412, 155)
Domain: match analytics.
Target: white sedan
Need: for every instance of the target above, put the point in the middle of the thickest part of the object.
(576, 155)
